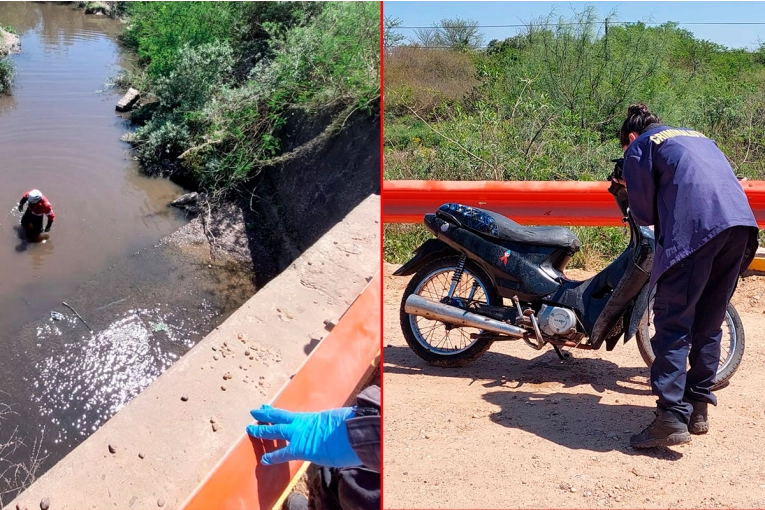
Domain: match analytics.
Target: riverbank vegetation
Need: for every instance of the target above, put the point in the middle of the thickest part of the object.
(7, 34)
(547, 104)
(223, 77)
(6, 75)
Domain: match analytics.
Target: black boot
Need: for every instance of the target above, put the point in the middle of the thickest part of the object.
(295, 501)
(665, 430)
(699, 421)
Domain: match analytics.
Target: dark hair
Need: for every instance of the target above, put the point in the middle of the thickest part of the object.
(639, 117)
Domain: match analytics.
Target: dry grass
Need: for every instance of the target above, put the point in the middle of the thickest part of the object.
(16, 476)
(426, 79)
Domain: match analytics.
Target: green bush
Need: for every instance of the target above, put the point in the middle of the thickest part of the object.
(162, 138)
(198, 72)
(158, 31)
(6, 75)
(334, 56)
(225, 72)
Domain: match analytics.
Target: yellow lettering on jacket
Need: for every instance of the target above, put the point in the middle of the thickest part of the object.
(658, 138)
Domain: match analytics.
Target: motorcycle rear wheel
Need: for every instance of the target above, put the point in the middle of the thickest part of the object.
(731, 351)
(434, 341)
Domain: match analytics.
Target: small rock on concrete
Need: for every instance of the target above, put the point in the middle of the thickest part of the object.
(213, 420)
(128, 100)
(329, 324)
(184, 397)
(112, 449)
(161, 502)
(215, 427)
(141, 455)
(247, 352)
(223, 387)
(45, 504)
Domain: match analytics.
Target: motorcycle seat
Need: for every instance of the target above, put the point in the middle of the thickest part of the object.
(500, 227)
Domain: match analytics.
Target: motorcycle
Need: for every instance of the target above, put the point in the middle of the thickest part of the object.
(454, 306)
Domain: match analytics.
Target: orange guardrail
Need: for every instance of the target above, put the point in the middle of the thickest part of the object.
(530, 202)
(329, 378)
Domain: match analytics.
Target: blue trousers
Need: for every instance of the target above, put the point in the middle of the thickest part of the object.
(689, 309)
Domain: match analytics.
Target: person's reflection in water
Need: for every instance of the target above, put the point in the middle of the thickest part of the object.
(39, 246)
(40, 251)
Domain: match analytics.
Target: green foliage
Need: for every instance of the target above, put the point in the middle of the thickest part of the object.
(550, 100)
(160, 139)
(600, 246)
(335, 56)
(547, 104)
(457, 34)
(197, 73)
(6, 75)
(224, 73)
(400, 241)
(391, 37)
(159, 30)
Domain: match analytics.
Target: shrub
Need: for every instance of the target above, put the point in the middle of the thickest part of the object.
(6, 75)
(427, 80)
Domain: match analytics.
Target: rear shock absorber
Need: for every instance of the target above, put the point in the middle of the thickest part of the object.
(457, 276)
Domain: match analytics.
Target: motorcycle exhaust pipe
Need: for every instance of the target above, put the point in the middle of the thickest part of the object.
(418, 305)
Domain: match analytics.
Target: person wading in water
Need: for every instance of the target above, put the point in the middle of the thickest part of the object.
(37, 207)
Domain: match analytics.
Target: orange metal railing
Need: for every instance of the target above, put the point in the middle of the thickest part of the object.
(529, 202)
(328, 378)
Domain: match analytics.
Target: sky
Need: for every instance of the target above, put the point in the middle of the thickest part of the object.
(426, 13)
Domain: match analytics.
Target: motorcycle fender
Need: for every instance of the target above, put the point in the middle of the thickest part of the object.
(641, 305)
(428, 251)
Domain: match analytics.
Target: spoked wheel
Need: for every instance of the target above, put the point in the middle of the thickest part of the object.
(731, 347)
(438, 343)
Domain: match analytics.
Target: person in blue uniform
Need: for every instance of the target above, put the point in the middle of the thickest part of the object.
(680, 182)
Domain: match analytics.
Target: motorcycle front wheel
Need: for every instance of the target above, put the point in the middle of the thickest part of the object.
(731, 348)
(434, 341)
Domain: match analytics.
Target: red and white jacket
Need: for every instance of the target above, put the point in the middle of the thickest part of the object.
(40, 208)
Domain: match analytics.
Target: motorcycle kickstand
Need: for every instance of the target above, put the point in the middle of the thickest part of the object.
(562, 355)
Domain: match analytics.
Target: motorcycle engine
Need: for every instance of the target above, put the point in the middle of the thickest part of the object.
(554, 320)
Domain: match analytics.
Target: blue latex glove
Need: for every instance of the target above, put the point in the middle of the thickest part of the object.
(321, 438)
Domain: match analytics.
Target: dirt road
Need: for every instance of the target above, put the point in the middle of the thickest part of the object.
(519, 428)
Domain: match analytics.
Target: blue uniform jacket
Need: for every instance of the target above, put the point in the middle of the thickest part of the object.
(679, 181)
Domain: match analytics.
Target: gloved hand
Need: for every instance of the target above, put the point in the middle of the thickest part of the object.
(21, 207)
(320, 438)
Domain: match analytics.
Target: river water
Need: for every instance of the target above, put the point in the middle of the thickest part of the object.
(147, 302)
(59, 132)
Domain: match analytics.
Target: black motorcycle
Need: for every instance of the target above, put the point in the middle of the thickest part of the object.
(454, 307)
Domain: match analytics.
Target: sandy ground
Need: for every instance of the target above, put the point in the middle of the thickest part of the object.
(519, 428)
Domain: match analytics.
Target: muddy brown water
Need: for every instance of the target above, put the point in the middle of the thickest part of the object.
(147, 302)
(59, 132)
